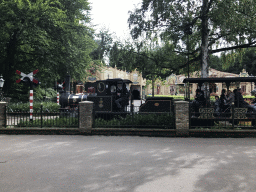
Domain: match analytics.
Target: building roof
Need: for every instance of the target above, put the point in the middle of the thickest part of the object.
(219, 79)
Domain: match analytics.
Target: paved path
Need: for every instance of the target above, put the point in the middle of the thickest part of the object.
(126, 164)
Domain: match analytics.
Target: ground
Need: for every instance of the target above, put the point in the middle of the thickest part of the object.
(43, 163)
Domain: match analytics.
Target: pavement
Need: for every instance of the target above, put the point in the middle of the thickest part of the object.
(53, 163)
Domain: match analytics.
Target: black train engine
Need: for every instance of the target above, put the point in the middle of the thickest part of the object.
(111, 95)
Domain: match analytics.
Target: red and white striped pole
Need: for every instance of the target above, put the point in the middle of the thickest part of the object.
(31, 105)
(58, 98)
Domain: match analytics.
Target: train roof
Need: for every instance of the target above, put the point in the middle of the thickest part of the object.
(219, 79)
(117, 80)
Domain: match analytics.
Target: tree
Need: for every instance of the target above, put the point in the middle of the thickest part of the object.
(210, 26)
(246, 61)
(215, 63)
(104, 41)
(152, 60)
(52, 36)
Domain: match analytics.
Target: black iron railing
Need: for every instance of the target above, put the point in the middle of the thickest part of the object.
(133, 118)
(66, 118)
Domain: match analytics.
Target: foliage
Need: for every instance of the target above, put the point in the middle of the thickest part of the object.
(215, 62)
(24, 107)
(165, 120)
(52, 36)
(152, 60)
(41, 93)
(242, 60)
(57, 122)
(214, 94)
(172, 96)
(206, 27)
(104, 41)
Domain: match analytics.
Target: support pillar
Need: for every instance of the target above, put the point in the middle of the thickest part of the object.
(2, 114)
(85, 116)
(181, 109)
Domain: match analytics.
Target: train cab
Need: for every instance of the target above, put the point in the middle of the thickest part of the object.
(107, 92)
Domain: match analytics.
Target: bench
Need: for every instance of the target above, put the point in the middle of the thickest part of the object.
(207, 117)
(208, 113)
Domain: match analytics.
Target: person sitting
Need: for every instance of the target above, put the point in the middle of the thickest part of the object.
(122, 96)
(223, 101)
(217, 106)
(198, 101)
(230, 98)
(254, 100)
(241, 103)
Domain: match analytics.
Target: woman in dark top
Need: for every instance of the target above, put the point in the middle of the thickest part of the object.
(223, 100)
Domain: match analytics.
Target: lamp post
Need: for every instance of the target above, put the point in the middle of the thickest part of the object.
(1, 87)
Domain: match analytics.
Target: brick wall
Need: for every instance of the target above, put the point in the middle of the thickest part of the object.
(85, 118)
(181, 109)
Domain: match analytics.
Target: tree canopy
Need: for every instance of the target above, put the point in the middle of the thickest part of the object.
(52, 36)
(150, 59)
(205, 27)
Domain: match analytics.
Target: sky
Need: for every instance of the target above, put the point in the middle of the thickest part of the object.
(113, 15)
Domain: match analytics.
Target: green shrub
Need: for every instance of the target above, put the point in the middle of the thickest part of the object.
(57, 122)
(41, 93)
(172, 96)
(139, 120)
(24, 107)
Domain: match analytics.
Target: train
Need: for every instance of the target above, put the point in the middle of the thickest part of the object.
(103, 93)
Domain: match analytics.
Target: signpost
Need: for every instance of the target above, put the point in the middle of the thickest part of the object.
(29, 80)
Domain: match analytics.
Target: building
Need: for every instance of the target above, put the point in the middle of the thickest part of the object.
(173, 85)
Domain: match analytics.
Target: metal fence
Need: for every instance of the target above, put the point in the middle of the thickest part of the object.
(66, 118)
(235, 118)
(131, 117)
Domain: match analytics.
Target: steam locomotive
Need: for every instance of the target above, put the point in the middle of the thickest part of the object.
(103, 93)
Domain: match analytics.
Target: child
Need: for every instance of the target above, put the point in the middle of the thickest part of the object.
(217, 106)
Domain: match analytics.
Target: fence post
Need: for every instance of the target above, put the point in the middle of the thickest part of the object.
(132, 109)
(233, 116)
(41, 110)
(85, 116)
(3, 114)
(181, 109)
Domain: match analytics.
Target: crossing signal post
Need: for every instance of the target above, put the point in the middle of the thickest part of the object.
(30, 81)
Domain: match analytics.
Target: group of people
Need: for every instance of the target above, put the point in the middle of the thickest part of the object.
(224, 102)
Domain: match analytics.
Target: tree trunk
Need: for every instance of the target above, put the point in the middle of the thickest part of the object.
(204, 51)
(205, 37)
